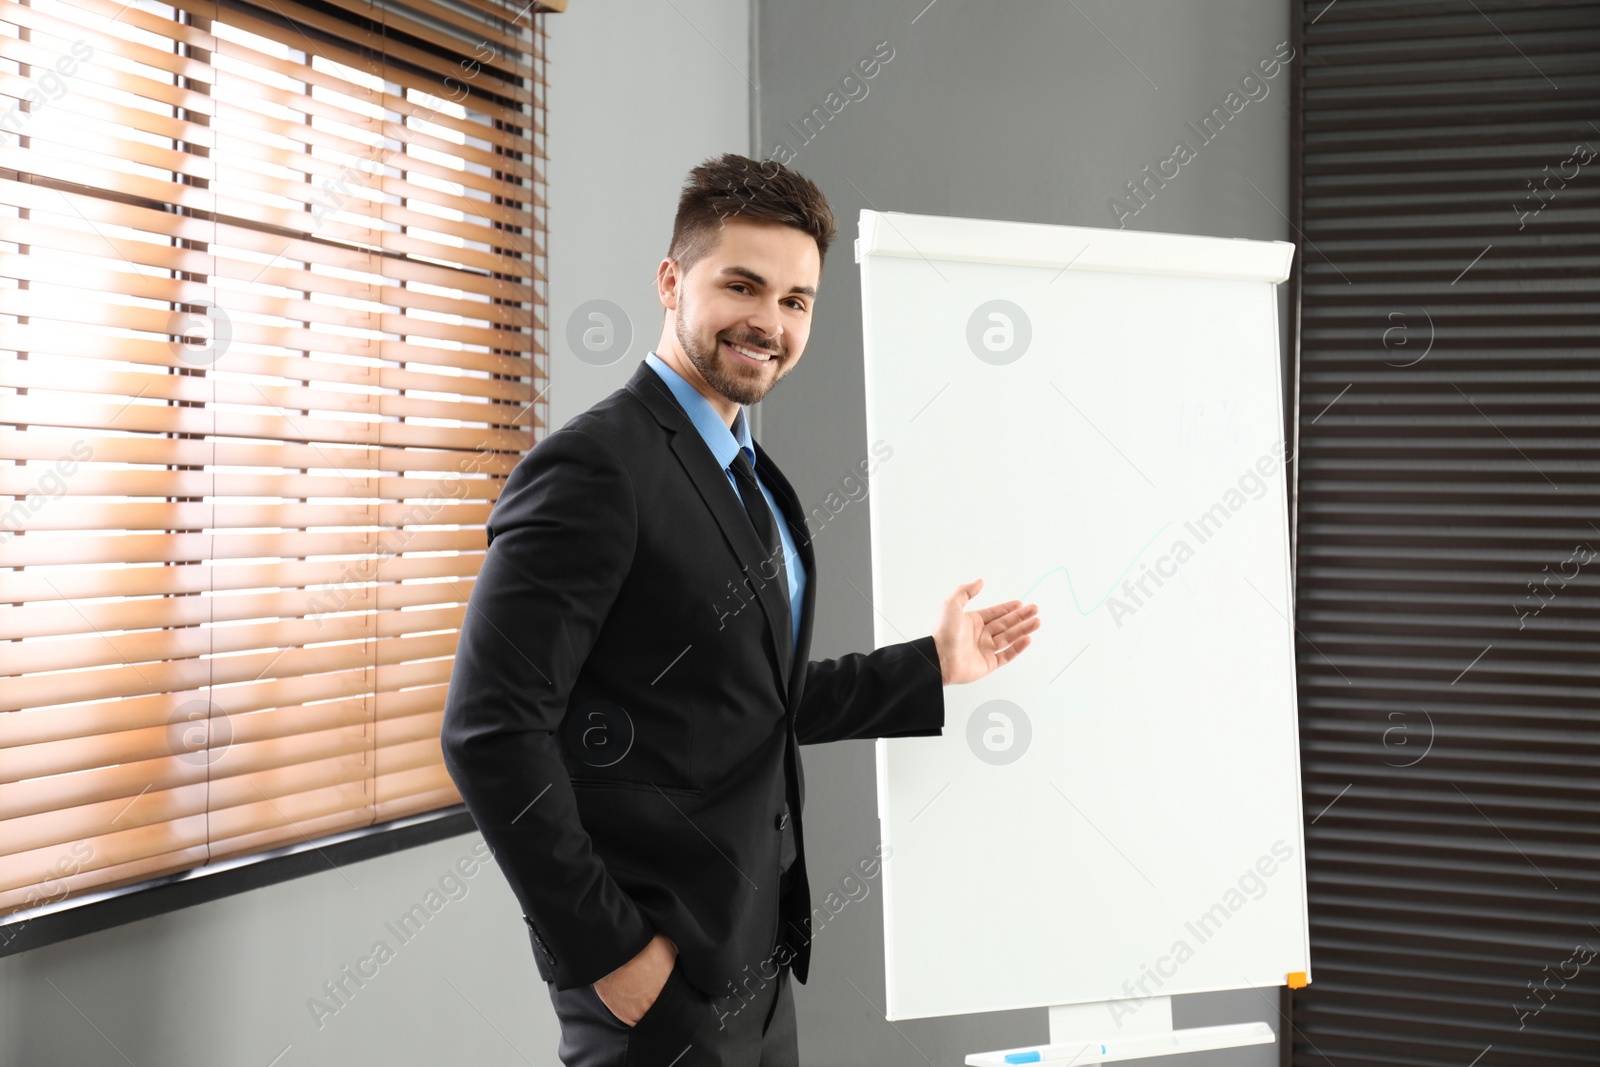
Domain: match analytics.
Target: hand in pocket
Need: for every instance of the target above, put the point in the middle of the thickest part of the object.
(632, 989)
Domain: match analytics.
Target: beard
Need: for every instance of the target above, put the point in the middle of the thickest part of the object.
(735, 380)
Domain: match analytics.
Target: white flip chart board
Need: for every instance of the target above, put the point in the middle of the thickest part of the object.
(1090, 420)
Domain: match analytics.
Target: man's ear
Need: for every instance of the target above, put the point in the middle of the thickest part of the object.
(667, 282)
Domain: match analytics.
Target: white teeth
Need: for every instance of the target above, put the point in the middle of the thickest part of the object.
(757, 356)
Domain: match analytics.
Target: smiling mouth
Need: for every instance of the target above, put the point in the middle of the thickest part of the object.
(752, 356)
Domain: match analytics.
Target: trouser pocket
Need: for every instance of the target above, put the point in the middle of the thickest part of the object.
(673, 978)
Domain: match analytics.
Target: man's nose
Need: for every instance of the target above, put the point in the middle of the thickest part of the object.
(766, 325)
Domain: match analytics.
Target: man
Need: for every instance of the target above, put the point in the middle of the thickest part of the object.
(632, 682)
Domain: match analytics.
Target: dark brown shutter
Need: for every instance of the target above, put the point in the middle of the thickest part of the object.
(1446, 186)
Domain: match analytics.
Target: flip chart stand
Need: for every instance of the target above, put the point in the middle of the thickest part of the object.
(1082, 1035)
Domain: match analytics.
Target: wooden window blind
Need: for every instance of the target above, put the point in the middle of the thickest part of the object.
(272, 334)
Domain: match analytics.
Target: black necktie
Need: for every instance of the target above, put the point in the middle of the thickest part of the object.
(755, 506)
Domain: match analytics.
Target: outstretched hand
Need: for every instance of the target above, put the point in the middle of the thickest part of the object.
(973, 643)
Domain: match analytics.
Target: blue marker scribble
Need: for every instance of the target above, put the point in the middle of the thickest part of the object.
(1114, 583)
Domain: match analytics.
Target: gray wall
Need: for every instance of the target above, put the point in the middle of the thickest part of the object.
(1024, 111)
(1020, 111)
(227, 984)
(640, 92)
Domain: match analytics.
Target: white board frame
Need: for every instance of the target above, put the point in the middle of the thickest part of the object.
(938, 239)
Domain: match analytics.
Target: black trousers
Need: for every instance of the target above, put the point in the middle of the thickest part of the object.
(685, 1027)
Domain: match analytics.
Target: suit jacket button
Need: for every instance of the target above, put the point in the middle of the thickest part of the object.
(782, 820)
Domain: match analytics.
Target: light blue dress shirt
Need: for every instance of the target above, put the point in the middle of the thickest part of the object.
(725, 445)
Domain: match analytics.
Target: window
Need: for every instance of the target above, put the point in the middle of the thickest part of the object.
(271, 335)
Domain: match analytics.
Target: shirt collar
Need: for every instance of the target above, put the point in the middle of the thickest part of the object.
(724, 443)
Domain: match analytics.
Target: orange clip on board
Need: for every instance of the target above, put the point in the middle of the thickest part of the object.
(1297, 979)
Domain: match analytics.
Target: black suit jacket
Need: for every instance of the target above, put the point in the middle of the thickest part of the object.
(620, 722)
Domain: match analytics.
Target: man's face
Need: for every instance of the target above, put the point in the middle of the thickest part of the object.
(753, 291)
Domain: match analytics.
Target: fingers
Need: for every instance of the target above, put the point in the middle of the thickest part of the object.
(1007, 655)
(1002, 624)
(1002, 630)
(966, 592)
(1009, 635)
(1016, 631)
(993, 612)
(1002, 621)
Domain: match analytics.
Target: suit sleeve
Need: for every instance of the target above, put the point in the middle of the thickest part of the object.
(896, 691)
(561, 541)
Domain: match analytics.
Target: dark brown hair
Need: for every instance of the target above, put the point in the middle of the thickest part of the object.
(733, 185)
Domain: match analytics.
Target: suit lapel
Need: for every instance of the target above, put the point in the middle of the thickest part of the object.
(719, 496)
